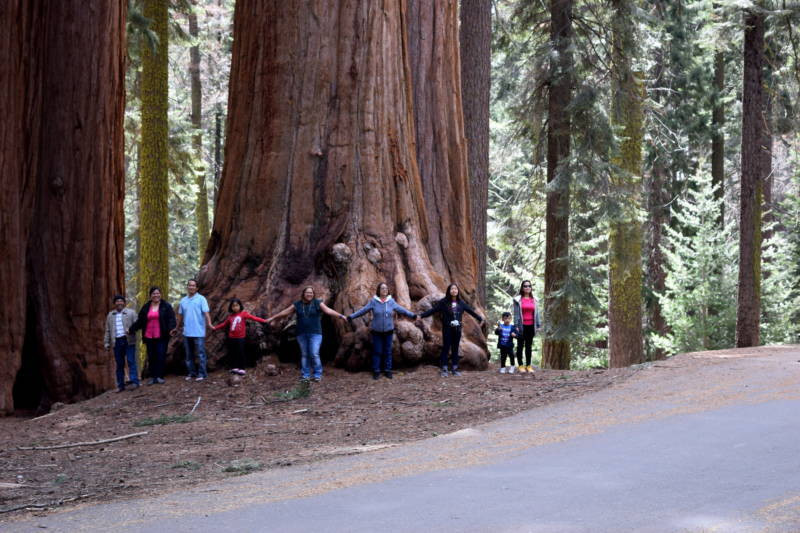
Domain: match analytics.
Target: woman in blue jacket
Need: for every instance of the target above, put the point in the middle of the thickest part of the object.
(383, 308)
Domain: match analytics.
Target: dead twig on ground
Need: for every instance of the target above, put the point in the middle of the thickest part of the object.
(195, 405)
(44, 505)
(75, 444)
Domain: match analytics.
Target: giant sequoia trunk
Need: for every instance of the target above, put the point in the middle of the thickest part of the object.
(475, 33)
(62, 166)
(749, 296)
(555, 348)
(626, 235)
(321, 185)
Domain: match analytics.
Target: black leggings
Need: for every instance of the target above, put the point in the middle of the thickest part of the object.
(156, 357)
(451, 337)
(528, 333)
(236, 353)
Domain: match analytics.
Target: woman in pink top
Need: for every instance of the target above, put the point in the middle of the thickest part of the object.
(156, 319)
(526, 318)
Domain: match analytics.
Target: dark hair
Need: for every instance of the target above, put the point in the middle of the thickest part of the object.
(153, 289)
(506, 314)
(191, 279)
(447, 292)
(118, 297)
(378, 288)
(235, 301)
(313, 292)
(523, 283)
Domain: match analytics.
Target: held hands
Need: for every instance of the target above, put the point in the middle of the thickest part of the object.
(173, 332)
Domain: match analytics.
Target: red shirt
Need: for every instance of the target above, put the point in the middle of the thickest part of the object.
(237, 328)
(528, 306)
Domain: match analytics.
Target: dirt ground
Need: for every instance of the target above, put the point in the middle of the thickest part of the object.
(250, 426)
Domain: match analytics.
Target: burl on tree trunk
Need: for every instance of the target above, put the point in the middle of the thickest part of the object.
(321, 185)
(61, 160)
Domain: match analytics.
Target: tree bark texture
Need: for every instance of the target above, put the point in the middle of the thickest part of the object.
(555, 348)
(320, 183)
(749, 296)
(475, 35)
(718, 132)
(154, 157)
(626, 234)
(201, 207)
(61, 158)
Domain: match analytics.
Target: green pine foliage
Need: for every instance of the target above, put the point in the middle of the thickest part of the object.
(699, 303)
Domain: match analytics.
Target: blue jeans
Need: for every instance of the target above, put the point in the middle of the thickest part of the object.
(309, 349)
(382, 349)
(123, 351)
(198, 345)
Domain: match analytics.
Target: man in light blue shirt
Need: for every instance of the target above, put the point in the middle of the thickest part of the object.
(193, 316)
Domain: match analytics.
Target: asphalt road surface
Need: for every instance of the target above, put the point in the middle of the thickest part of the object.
(700, 443)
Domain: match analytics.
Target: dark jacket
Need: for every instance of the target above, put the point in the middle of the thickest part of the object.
(448, 314)
(166, 319)
(510, 343)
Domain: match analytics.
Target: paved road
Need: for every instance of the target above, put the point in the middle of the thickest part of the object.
(705, 442)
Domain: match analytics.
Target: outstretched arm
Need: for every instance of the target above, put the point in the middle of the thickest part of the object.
(471, 311)
(286, 312)
(361, 311)
(403, 311)
(256, 318)
(328, 311)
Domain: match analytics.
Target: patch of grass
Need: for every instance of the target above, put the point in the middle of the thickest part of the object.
(164, 419)
(301, 390)
(241, 467)
(60, 479)
(188, 465)
(444, 403)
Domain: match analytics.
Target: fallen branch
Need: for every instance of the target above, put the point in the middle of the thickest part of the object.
(44, 505)
(300, 411)
(75, 444)
(196, 404)
(43, 416)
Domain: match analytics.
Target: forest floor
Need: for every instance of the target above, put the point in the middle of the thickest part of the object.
(252, 425)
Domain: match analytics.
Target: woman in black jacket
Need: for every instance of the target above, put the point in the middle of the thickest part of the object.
(156, 320)
(451, 310)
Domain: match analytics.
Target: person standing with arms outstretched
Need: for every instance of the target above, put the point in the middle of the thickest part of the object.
(193, 317)
(526, 318)
(156, 319)
(451, 310)
(383, 308)
(237, 331)
(309, 311)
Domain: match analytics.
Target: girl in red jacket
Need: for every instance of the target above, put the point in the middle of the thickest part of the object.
(236, 333)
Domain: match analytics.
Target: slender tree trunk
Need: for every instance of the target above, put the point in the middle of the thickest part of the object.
(718, 132)
(63, 185)
(767, 177)
(749, 297)
(320, 183)
(201, 207)
(217, 152)
(154, 157)
(555, 349)
(475, 35)
(625, 239)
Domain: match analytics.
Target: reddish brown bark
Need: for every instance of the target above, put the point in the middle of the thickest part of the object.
(555, 348)
(64, 157)
(475, 35)
(718, 132)
(749, 297)
(320, 184)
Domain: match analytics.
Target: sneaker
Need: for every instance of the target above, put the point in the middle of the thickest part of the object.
(120, 389)
(504, 370)
(522, 369)
(444, 373)
(201, 378)
(455, 372)
(512, 369)
(189, 378)
(152, 381)
(160, 381)
(376, 375)
(316, 379)
(388, 375)
(134, 386)
(234, 370)
(241, 371)
(530, 369)
(303, 379)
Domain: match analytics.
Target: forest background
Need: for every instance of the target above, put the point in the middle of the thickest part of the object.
(640, 169)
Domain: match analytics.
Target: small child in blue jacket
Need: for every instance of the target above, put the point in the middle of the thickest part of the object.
(506, 333)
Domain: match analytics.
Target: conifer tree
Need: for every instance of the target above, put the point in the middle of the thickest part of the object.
(201, 207)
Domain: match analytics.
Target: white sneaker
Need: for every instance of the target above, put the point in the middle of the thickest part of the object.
(511, 370)
(503, 370)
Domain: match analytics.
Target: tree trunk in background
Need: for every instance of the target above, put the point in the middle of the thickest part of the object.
(475, 36)
(63, 185)
(555, 348)
(767, 178)
(441, 146)
(749, 297)
(320, 183)
(217, 155)
(201, 208)
(718, 132)
(625, 239)
(153, 157)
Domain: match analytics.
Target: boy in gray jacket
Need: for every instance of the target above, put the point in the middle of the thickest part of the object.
(118, 323)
